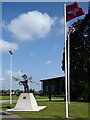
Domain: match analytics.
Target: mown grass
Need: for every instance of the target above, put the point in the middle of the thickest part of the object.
(55, 109)
(8, 97)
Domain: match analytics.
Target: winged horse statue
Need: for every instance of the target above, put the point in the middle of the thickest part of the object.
(23, 80)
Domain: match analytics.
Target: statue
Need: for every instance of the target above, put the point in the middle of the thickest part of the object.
(24, 81)
(28, 99)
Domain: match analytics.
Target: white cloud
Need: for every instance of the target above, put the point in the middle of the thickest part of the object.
(31, 25)
(60, 29)
(49, 62)
(5, 45)
(61, 21)
(14, 73)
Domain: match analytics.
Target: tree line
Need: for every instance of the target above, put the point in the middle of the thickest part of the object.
(79, 59)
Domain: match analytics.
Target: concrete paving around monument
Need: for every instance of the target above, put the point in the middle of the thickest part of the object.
(8, 116)
(32, 110)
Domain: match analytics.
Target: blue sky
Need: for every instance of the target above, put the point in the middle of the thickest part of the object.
(35, 33)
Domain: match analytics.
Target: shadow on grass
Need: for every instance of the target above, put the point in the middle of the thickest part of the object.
(54, 101)
(7, 107)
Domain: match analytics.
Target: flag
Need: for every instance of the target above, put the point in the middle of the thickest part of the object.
(71, 29)
(73, 11)
(10, 51)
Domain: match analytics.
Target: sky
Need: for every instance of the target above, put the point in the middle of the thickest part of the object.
(44, 0)
(35, 33)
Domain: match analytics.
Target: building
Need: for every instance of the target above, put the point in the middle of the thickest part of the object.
(54, 86)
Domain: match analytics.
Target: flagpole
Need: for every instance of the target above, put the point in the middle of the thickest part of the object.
(68, 66)
(11, 80)
(65, 60)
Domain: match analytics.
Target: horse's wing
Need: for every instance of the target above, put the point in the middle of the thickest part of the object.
(17, 79)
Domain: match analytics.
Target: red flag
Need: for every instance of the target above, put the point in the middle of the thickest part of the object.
(10, 51)
(71, 29)
(73, 11)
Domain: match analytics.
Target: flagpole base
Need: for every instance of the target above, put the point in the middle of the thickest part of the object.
(66, 119)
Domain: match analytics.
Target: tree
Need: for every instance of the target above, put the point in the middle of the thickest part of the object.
(79, 59)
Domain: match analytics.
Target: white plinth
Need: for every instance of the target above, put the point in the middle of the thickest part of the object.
(27, 102)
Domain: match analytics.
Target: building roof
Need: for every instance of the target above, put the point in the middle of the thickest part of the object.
(56, 78)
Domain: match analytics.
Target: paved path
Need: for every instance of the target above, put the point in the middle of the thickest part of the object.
(14, 101)
(7, 101)
(8, 116)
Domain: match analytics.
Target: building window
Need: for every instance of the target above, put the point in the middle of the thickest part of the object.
(47, 88)
(52, 87)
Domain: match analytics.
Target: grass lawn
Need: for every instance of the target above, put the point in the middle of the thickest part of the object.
(8, 97)
(55, 110)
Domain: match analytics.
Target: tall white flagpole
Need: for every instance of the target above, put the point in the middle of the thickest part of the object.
(65, 60)
(11, 80)
(68, 66)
